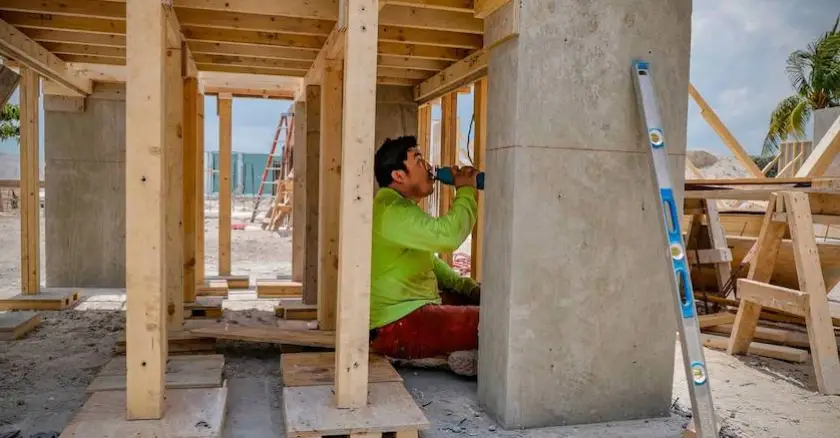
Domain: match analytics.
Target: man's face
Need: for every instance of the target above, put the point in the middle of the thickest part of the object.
(417, 177)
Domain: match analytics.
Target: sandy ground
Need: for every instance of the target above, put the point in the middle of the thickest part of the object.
(44, 375)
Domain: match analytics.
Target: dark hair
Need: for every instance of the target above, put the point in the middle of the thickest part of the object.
(390, 157)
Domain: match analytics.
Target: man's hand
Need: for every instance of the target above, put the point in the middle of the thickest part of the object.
(465, 176)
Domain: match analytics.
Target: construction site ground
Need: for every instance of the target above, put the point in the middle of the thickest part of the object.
(44, 375)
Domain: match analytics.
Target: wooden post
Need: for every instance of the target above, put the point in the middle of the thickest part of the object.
(330, 193)
(299, 193)
(351, 380)
(189, 195)
(479, 151)
(424, 125)
(313, 172)
(225, 153)
(174, 155)
(199, 189)
(30, 199)
(146, 340)
(448, 154)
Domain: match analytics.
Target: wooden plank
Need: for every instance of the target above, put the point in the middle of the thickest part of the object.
(314, 369)
(759, 349)
(479, 151)
(258, 22)
(775, 297)
(424, 127)
(233, 281)
(455, 76)
(431, 19)
(716, 319)
(190, 413)
(182, 372)
(717, 240)
(16, 45)
(356, 222)
(14, 325)
(298, 311)
(721, 130)
(225, 189)
(309, 412)
(269, 334)
(145, 218)
(313, 176)
(212, 288)
(449, 155)
(278, 289)
(817, 316)
(299, 199)
(483, 8)
(46, 299)
(30, 201)
(174, 159)
(501, 25)
(443, 5)
(189, 197)
(330, 193)
(823, 153)
(199, 189)
(9, 80)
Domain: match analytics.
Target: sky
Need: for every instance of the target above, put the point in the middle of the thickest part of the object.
(738, 54)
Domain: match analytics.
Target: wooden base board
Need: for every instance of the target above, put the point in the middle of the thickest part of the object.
(204, 307)
(297, 311)
(759, 349)
(213, 288)
(233, 281)
(182, 372)
(268, 334)
(190, 413)
(278, 289)
(46, 299)
(310, 412)
(183, 342)
(314, 369)
(14, 325)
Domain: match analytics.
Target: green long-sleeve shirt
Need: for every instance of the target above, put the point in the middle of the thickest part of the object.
(405, 270)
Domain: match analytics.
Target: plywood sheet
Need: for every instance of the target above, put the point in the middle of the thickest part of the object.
(313, 369)
(202, 371)
(270, 334)
(310, 411)
(190, 413)
(13, 325)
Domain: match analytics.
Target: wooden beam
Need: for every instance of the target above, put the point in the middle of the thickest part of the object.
(404, 73)
(313, 171)
(775, 297)
(194, 33)
(225, 152)
(352, 335)
(431, 19)
(219, 82)
(443, 5)
(65, 22)
(422, 51)
(189, 196)
(483, 8)
(85, 8)
(255, 22)
(823, 153)
(479, 152)
(403, 82)
(222, 68)
(299, 192)
(332, 50)
(30, 202)
(84, 49)
(424, 127)
(406, 35)
(448, 154)
(14, 44)
(314, 9)
(66, 36)
(459, 74)
(199, 189)
(244, 50)
(728, 139)
(146, 345)
(330, 193)
(286, 64)
(174, 157)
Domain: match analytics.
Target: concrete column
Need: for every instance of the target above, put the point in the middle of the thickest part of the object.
(823, 119)
(577, 319)
(396, 112)
(84, 152)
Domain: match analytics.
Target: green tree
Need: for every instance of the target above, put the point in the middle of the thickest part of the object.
(10, 122)
(815, 76)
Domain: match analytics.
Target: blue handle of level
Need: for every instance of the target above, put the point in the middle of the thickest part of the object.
(677, 250)
(445, 175)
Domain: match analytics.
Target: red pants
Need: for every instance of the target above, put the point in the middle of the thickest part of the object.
(433, 330)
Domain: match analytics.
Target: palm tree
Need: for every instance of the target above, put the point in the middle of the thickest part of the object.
(815, 75)
(10, 122)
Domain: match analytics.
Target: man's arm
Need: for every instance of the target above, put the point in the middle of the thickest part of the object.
(411, 227)
(448, 278)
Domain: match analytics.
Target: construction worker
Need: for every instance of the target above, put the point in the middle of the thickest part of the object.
(420, 307)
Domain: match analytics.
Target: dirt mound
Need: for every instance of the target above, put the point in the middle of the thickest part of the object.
(701, 158)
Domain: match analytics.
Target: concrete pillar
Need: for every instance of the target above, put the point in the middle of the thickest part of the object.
(84, 154)
(823, 119)
(577, 318)
(396, 112)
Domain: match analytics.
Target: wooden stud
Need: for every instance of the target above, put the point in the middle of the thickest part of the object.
(145, 190)
(351, 380)
(199, 189)
(174, 157)
(189, 196)
(30, 199)
(330, 193)
(299, 199)
(313, 172)
(225, 153)
(424, 127)
(479, 152)
(448, 154)
(461, 73)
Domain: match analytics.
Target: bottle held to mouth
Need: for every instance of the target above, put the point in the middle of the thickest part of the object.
(446, 176)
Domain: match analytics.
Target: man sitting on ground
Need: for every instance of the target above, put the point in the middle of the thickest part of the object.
(409, 317)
